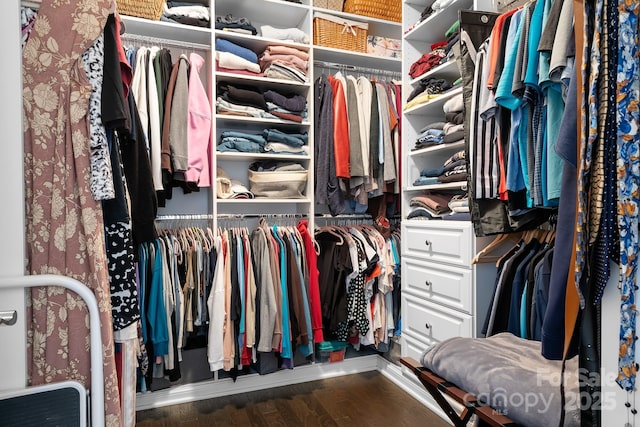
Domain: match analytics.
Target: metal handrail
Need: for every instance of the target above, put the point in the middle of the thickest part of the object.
(97, 377)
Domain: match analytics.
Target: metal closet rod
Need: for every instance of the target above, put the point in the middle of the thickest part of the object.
(224, 216)
(346, 67)
(134, 38)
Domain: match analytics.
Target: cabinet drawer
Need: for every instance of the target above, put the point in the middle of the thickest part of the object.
(438, 241)
(439, 283)
(433, 323)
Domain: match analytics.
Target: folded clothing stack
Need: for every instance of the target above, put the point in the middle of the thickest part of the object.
(429, 205)
(428, 89)
(285, 62)
(286, 34)
(248, 101)
(454, 169)
(237, 25)
(269, 141)
(232, 57)
(187, 13)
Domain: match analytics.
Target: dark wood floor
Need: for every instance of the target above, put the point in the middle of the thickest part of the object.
(368, 399)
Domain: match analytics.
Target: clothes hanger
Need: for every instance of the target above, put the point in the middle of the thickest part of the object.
(485, 254)
(329, 229)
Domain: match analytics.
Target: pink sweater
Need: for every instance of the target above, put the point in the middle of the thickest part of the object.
(199, 130)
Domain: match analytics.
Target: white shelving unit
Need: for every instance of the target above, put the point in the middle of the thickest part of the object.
(443, 294)
(184, 39)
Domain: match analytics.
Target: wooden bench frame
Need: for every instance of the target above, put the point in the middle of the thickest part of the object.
(439, 388)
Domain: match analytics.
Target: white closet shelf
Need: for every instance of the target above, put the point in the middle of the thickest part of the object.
(260, 82)
(436, 148)
(256, 43)
(251, 156)
(428, 106)
(432, 29)
(277, 13)
(444, 186)
(166, 30)
(358, 59)
(448, 70)
(263, 200)
(242, 119)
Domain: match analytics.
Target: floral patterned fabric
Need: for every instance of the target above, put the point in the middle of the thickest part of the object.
(628, 163)
(64, 226)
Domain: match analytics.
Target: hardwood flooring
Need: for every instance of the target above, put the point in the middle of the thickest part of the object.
(367, 399)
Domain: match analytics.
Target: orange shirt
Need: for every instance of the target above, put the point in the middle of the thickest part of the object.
(340, 129)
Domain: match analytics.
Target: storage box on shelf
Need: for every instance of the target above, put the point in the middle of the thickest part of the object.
(148, 9)
(382, 9)
(340, 33)
(329, 4)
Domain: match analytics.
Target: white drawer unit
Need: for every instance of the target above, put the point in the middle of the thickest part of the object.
(439, 241)
(439, 283)
(443, 294)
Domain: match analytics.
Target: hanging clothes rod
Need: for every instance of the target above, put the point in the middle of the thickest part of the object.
(188, 217)
(157, 41)
(271, 216)
(366, 70)
(185, 217)
(343, 216)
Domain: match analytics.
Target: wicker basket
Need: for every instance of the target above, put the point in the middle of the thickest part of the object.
(149, 9)
(329, 4)
(339, 33)
(390, 10)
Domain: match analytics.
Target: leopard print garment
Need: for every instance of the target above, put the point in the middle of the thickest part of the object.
(101, 181)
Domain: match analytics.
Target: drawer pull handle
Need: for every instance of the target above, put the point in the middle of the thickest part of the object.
(427, 325)
(428, 283)
(427, 242)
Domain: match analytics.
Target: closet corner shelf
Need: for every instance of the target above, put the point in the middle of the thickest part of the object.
(259, 81)
(257, 120)
(358, 59)
(424, 108)
(462, 185)
(257, 43)
(166, 30)
(276, 13)
(432, 29)
(252, 156)
(441, 147)
(263, 200)
(447, 70)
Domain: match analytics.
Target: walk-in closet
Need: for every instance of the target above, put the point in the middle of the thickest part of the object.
(220, 200)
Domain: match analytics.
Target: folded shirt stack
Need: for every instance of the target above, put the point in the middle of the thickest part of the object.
(454, 169)
(240, 142)
(248, 101)
(187, 13)
(428, 89)
(231, 57)
(285, 34)
(433, 204)
(285, 62)
(459, 203)
(269, 141)
(293, 107)
(279, 142)
(237, 25)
